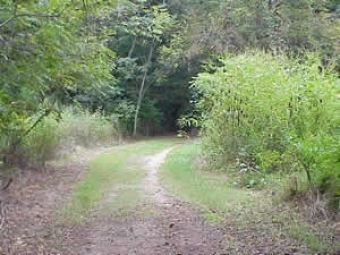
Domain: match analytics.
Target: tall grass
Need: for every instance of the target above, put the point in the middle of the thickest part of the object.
(40, 144)
(82, 128)
(53, 138)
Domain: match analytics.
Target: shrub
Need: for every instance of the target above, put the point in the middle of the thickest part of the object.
(79, 127)
(51, 138)
(278, 113)
(40, 144)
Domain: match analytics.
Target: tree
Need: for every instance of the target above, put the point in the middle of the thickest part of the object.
(141, 31)
(278, 26)
(47, 49)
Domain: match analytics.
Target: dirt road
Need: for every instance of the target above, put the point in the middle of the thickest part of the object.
(154, 223)
(161, 225)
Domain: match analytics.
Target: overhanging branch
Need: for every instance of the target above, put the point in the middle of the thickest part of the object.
(39, 15)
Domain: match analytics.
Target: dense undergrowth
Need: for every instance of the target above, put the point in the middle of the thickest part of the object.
(271, 115)
(57, 136)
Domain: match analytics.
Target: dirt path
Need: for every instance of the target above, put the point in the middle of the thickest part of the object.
(160, 225)
(28, 207)
(157, 224)
(151, 184)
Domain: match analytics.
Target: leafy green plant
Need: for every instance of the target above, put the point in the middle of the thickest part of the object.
(269, 111)
(40, 145)
(125, 111)
(47, 53)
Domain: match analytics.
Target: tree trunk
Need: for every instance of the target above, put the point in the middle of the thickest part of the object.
(141, 91)
(133, 46)
(139, 103)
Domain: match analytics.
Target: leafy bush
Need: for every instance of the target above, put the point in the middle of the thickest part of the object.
(125, 111)
(51, 137)
(276, 113)
(40, 144)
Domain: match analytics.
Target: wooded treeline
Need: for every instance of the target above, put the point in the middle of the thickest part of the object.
(133, 62)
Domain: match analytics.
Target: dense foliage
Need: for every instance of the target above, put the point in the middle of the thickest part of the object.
(272, 115)
(278, 26)
(75, 129)
(48, 50)
(291, 123)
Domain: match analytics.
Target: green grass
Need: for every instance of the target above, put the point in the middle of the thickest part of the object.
(120, 205)
(217, 197)
(117, 168)
(211, 191)
(303, 232)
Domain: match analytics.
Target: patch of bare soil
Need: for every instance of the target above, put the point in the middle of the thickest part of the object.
(28, 207)
(151, 184)
(174, 230)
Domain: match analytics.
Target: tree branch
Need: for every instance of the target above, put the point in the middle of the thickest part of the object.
(132, 47)
(40, 15)
(41, 117)
(8, 183)
(84, 5)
